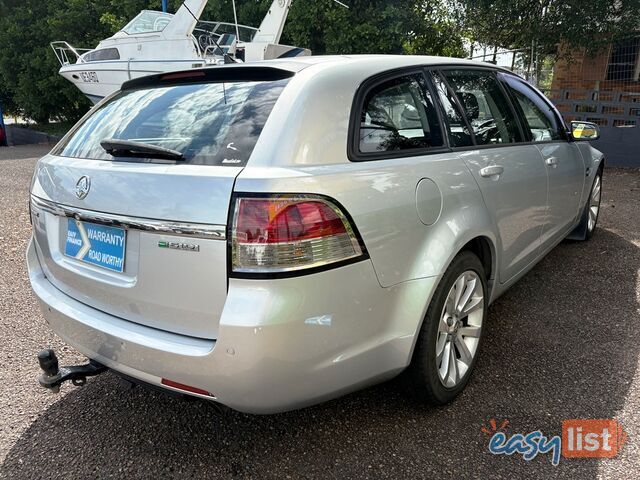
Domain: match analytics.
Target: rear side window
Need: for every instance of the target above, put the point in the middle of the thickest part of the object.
(485, 106)
(398, 114)
(456, 127)
(210, 123)
(539, 117)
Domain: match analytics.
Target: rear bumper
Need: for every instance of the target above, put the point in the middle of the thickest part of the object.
(282, 344)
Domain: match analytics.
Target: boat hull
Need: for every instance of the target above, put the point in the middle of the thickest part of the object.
(97, 80)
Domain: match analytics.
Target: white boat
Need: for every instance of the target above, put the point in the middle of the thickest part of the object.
(155, 42)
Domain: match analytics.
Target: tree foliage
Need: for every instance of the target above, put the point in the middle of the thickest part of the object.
(548, 23)
(28, 68)
(29, 80)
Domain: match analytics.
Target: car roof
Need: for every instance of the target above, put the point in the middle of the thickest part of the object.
(375, 62)
(382, 61)
(277, 69)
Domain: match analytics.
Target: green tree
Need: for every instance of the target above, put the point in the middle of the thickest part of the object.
(29, 83)
(323, 26)
(378, 26)
(436, 31)
(548, 23)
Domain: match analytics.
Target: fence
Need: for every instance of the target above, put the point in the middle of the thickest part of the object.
(604, 88)
(601, 87)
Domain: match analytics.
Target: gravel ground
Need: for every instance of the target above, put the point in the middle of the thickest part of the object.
(563, 343)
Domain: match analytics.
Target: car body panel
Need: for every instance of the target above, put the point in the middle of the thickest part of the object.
(593, 161)
(187, 193)
(278, 348)
(516, 201)
(566, 173)
(380, 196)
(273, 344)
(158, 285)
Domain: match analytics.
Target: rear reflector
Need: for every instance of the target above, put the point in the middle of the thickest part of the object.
(290, 233)
(186, 388)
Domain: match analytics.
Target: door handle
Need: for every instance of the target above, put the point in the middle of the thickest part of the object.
(491, 171)
(551, 161)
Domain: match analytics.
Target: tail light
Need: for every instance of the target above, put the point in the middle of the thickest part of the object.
(281, 234)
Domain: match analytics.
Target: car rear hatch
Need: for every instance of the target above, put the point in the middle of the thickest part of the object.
(140, 234)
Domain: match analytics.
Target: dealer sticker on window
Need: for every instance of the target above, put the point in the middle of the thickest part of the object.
(96, 244)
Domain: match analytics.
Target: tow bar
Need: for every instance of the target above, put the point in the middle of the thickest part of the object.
(52, 376)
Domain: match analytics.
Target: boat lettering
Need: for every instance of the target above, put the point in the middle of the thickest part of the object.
(89, 77)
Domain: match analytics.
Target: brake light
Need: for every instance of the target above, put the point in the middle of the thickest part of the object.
(174, 76)
(290, 233)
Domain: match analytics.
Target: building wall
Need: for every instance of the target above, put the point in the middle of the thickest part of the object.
(589, 72)
(581, 91)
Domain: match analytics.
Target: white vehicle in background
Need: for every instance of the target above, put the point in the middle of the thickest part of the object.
(156, 42)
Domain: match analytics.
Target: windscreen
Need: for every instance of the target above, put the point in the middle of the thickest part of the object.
(210, 123)
(148, 21)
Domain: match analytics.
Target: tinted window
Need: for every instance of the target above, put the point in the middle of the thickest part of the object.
(457, 129)
(485, 106)
(540, 120)
(102, 54)
(399, 114)
(210, 124)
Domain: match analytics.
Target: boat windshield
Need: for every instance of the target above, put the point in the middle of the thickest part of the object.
(220, 28)
(148, 21)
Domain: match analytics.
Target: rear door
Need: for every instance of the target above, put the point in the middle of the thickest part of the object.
(563, 160)
(511, 174)
(137, 236)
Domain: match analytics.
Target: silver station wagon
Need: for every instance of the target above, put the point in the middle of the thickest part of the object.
(272, 235)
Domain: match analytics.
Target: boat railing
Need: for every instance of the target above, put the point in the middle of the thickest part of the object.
(66, 54)
(219, 28)
(223, 47)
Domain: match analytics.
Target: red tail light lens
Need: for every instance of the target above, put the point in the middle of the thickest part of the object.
(284, 234)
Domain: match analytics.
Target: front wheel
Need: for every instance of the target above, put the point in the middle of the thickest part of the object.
(593, 207)
(591, 212)
(449, 340)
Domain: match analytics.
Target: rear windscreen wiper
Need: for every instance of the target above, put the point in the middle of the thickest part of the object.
(127, 148)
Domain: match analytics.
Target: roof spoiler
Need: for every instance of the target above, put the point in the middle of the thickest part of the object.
(221, 73)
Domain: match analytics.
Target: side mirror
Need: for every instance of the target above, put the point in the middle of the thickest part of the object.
(585, 131)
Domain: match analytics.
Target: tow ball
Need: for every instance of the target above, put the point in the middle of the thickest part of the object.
(53, 376)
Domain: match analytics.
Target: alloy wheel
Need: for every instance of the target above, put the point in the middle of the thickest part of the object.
(594, 203)
(459, 328)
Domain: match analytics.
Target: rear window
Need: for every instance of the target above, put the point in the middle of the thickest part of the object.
(210, 123)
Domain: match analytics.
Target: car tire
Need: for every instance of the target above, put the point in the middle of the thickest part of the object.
(432, 380)
(589, 218)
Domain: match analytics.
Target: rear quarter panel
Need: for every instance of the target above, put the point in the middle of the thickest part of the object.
(381, 198)
(303, 149)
